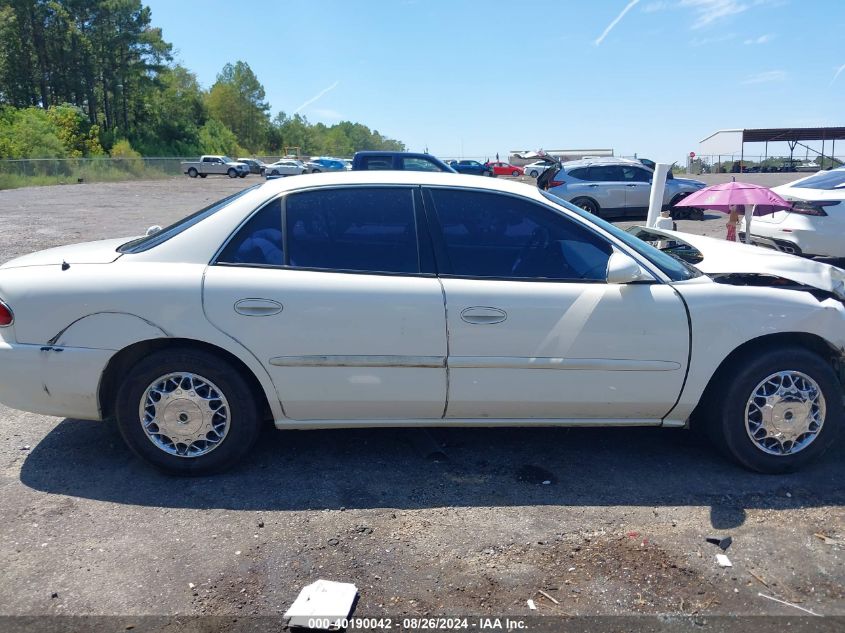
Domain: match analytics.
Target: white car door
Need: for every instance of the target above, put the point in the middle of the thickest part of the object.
(534, 329)
(338, 306)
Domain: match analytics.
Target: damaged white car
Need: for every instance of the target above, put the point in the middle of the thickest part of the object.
(411, 298)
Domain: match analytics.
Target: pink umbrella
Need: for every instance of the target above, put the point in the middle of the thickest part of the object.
(729, 194)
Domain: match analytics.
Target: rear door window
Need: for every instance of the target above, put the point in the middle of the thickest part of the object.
(259, 241)
(361, 229)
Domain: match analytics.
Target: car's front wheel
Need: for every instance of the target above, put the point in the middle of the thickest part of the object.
(515, 173)
(779, 410)
(187, 412)
(534, 173)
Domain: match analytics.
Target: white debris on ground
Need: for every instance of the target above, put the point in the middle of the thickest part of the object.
(322, 605)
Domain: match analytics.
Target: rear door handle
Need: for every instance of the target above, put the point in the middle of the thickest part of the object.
(258, 307)
(482, 315)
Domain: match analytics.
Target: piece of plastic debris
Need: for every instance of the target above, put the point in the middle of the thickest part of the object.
(723, 560)
(543, 593)
(325, 602)
(826, 539)
(547, 482)
(531, 604)
(723, 543)
(789, 494)
(55, 594)
(632, 534)
(191, 585)
(238, 553)
(788, 604)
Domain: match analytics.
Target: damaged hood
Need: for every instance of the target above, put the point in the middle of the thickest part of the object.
(724, 257)
(100, 252)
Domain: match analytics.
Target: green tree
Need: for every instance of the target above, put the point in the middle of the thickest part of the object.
(237, 100)
(216, 138)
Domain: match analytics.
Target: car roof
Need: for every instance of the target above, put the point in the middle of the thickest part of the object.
(393, 177)
(610, 160)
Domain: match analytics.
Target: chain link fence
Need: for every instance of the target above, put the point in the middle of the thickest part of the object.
(749, 163)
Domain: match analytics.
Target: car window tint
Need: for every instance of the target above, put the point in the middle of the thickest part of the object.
(635, 174)
(493, 235)
(376, 162)
(360, 229)
(418, 164)
(604, 173)
(580, 174)
(259, 241)
(826, 180)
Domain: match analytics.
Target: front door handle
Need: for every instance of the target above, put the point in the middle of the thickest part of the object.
(631, 185)
(482, 315)
(258, 307)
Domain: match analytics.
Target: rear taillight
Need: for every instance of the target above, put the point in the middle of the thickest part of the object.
(6, 316)
(809, 208)
(557, 183)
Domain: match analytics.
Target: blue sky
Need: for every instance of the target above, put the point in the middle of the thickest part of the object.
(474, 78)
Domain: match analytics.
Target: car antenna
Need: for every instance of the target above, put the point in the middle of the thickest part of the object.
(65, 265)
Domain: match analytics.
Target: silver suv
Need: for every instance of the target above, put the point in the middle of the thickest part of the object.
(618, 187)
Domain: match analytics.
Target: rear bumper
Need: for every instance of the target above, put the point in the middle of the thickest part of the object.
(60, 381)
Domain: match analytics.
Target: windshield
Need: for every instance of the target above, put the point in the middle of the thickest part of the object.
(673, 267)
(149, 241)
(827, 180)
(226, 159)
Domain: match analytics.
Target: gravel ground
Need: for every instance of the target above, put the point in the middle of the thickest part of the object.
(619, 528)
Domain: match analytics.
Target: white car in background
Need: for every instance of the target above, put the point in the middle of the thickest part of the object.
(816, 223)
(406, 298)
(285, 167)
(537, 167)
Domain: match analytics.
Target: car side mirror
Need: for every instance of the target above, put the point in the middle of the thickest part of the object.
(622, 269)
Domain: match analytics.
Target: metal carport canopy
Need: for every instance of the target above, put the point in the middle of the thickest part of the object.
(770, 135)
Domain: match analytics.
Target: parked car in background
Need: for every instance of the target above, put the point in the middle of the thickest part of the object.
(291, 303)
(501, 168)
(347, 163)
(317, 165)
(537, 167)
(285, 167)
(211, 164)
(471, 167)
(255, 166)
(398, 161)
(618, 187)
(816, 223)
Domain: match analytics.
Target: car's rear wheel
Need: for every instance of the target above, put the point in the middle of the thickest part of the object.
(187, 412)
(779, 410)
(589, 205)
(192, 172)
(232, 172)
(534, 173)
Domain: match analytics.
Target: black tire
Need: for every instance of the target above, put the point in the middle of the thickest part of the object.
(243, 174)
(233, 173)
(192, 172)
(203, 175)
(725, 414)
(588, 204)
(514, 173)
(245, 416)
(534, 173)
(315, 171)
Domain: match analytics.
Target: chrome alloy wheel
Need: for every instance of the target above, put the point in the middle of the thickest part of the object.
(184, 414)
(785, 413)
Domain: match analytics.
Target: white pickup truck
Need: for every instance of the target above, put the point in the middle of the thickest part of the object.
(222, 165)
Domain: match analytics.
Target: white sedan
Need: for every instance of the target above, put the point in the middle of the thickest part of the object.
(816, 223)
(398, 298)
(285, 167)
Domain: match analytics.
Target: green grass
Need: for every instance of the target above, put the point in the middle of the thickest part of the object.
(15, 174)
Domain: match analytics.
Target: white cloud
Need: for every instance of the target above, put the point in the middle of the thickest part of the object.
(766, 77)
(836, 74)
(651, 7)
(317, 96)
(704, 41)
(616, 21)
(709, 11)
(763, 39)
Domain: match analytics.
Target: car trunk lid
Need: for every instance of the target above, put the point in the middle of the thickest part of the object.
(100, 252)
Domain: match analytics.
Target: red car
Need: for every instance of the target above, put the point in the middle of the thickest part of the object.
(506, 169)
